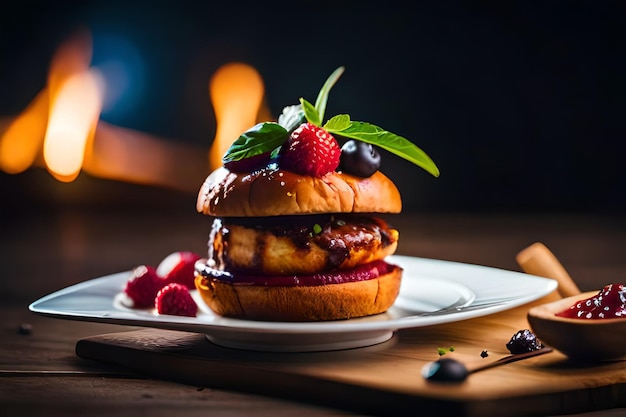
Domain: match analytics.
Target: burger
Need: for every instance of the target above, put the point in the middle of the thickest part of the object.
(298, 222)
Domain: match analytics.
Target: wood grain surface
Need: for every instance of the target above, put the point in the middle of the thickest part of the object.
(163, 373)
(383, 379)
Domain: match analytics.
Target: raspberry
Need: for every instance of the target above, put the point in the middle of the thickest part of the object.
(143, 285)
(174, 299)
(178, 267)
(310, 150)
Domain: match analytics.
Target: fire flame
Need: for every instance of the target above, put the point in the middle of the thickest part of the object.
(60, 129)
(25, 137)
(237, 92)
(20, 143)
(72, 121)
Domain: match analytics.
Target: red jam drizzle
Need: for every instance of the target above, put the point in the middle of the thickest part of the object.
(609, 303)
(364, 272)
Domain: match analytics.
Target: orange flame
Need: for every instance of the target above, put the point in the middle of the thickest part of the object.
(61, 129)
(72, 121)
(237, 93)
(22, 142)
(72, 57)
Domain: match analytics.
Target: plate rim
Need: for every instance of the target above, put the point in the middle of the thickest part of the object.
(544, 287)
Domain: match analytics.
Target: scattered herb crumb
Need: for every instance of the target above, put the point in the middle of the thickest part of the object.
(442, 351)
(484, 354)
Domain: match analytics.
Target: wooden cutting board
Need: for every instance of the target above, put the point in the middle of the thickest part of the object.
(384, 379)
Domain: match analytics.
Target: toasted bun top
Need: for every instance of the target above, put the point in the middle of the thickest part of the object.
(276, 192)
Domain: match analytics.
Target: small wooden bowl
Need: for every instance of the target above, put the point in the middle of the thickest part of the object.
(579, 339)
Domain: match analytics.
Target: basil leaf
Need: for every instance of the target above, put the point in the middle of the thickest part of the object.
(322, 96)
(311, 113)
(391, 142)
(261, 138)
(339, 122)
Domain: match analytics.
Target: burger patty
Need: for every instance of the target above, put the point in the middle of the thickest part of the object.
(299, 244)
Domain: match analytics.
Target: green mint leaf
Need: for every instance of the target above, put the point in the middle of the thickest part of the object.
(292, 117)
(261, 138)
(311, 113)
(322, 96)
(337, 123)
(375, 135)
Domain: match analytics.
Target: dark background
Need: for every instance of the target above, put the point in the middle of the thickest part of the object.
(521, 104)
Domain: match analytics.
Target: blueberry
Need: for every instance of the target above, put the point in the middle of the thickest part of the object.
(359, 158)
(524, 341)
(445, 370)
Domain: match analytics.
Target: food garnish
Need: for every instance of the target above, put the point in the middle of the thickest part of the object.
(443, 351)
(175, 299)
(266, 141)
(524, 341)
(177, 267)
(310, 150)
(145, 283)
(143, 286)
(359, 158)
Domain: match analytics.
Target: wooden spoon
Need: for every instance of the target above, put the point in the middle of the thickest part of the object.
(451, 370)
(538, 260)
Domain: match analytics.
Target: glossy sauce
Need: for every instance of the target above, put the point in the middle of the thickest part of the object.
(609, 303)
(365, 272)
(336, 233)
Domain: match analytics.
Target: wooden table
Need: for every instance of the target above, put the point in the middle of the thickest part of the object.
(45, 250)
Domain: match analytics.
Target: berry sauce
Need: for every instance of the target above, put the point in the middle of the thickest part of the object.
(609, 303)
(365, 272)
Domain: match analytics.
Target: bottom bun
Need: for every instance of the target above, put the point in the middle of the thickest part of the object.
(301, 303)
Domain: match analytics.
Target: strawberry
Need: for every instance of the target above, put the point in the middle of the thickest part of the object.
(143, 285)
(310, 150)
(175, 299)
(178, 267)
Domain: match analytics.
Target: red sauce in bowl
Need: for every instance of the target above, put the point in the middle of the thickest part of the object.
(609, 303)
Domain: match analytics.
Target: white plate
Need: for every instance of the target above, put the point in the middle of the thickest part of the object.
(432, 292)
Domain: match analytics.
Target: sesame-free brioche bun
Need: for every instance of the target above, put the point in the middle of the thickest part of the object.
(276, 192)
(301, 303)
